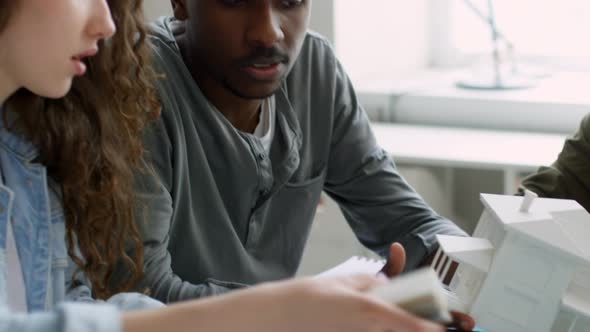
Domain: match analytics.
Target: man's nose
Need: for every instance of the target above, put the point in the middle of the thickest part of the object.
(265, 29)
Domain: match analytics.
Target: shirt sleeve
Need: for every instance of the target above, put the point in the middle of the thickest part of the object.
(376, 201)
(569, 176)
(78, 289)
(68, 317)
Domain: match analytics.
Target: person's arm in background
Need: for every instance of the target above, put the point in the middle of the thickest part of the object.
(385, 213)
(569, 176)
(78, 289)
(377, 202)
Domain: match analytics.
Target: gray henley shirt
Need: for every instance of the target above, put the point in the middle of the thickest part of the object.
(228, 214)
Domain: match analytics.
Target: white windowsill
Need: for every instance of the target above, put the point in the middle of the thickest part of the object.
(556, 104)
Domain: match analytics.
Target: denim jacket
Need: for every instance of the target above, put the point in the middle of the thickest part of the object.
(39, 233)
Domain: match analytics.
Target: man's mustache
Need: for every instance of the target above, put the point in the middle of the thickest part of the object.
(264, 56)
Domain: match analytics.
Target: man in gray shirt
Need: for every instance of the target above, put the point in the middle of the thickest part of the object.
(259, 118)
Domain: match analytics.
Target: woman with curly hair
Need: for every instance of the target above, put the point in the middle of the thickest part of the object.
(73, 101)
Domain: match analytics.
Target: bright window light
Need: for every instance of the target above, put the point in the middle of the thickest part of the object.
(381, 37)
(390, 37)
(551, 28)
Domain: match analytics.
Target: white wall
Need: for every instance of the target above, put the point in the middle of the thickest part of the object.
(382, 38)
(156, 8)
(322, 17)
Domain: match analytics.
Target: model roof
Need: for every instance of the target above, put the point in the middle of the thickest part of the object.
(561, 224)
(474, 252)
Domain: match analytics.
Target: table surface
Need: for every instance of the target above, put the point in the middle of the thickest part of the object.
(468, 148)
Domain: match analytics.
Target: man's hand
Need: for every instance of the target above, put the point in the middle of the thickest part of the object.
(396, 263)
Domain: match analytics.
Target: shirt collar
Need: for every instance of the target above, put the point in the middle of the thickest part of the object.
(14, 142)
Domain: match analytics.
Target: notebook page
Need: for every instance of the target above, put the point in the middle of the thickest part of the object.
(355, 265)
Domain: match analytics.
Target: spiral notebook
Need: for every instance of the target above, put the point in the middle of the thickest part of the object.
(355, 265)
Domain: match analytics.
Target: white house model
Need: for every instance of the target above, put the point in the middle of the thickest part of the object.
(526, 268)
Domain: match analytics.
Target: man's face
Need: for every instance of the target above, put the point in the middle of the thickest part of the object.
(247, 46)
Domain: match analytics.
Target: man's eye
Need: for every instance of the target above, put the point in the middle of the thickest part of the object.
(292, 3)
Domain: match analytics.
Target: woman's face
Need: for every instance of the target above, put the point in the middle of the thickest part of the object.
(42, 45)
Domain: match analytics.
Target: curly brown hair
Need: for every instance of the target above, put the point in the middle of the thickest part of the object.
(90, 142)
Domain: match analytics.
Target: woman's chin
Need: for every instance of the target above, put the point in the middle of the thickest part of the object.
(55, 91)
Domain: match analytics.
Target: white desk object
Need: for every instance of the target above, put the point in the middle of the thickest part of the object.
(419, 292)
(538, 277)
(510, 152)
(355, 265)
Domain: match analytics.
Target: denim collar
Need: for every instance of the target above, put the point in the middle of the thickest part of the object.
(16, 143)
